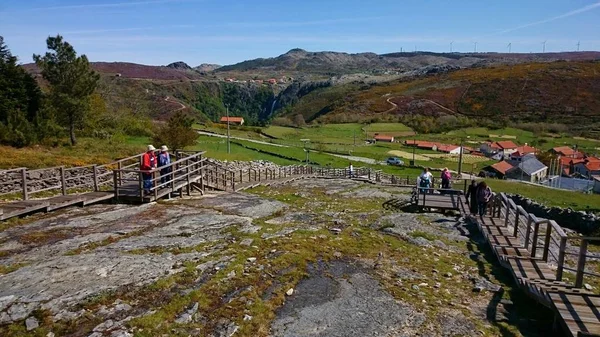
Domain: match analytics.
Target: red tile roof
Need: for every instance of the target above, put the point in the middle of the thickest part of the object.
(564, 150)
(507, 145)
(232, 119)
(526, 149)
(446, 148)
(502, 167)
(384, 137)
(593, 166)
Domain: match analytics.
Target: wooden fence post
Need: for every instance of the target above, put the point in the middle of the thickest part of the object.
(115, 179)
(516, 231)
(547, 241)
(536, 228)
(187, 173)
(119, 167)
(63, 180)
(528, 231)
(24, 183)
(141, 184)
(95, 174)
(581, 264)
(561, 258)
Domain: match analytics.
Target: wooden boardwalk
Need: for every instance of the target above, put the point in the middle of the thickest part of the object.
(535, 252)
(440, 199)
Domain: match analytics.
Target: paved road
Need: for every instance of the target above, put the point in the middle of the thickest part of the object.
(218, 135)
(358, 159)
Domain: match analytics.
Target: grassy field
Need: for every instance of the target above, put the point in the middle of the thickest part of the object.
(548, 196)
(87, 151)
(337, 133)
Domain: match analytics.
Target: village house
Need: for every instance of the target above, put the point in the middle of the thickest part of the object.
(522, 151)
(499, 150)
(425, 145)
(566, 151)
(232, 120)
(587, 167)
(498, 170)
(528, 168)
(384, 138)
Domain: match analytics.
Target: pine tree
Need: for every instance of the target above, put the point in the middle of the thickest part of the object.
(72, 82)
(20, 100)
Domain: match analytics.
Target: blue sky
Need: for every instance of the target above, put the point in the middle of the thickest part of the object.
(229, 31)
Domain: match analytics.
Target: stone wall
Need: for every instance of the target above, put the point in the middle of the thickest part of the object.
(579, 221)
(11, 182)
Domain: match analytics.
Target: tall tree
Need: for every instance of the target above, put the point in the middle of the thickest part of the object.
(20, 99)
(72, 82)
(177, 133)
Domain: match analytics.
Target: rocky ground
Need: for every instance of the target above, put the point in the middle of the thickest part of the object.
(315, 257)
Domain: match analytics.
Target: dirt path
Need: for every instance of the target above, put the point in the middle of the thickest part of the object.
(181, 105)
(394, 105)
(218, 135)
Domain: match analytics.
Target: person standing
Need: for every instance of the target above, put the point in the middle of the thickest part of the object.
(164, 159)
(484, 195)
(148, 164)
(472, 197)
(446, 176)
(425, 180)
(351, 170)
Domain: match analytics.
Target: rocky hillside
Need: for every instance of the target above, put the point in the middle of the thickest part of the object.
(179, 65)
(336, 63)
(558, 92)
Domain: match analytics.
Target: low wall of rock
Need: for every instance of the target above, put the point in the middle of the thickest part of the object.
(11, 182)
(579, 221)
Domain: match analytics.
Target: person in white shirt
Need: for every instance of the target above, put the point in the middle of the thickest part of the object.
(351, 170)
(425, 180)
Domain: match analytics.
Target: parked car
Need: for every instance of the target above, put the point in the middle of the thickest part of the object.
(394, 161)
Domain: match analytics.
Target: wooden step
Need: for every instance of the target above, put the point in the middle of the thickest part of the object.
(531, 269)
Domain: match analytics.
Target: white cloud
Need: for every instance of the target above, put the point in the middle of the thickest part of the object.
(109, 5)
(554, 18)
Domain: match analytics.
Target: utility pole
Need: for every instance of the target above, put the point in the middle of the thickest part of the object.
(228, 137)
(460, 158)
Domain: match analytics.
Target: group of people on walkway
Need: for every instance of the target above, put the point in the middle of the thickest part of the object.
(150, 161)
(425, 180)
(478, 196)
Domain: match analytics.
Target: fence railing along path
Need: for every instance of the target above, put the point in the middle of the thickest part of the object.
(47, 189)
(57, 187)
(546, 263)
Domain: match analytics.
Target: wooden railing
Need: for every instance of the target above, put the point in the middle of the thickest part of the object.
(546, 240)
(177, 175)
(24, 183)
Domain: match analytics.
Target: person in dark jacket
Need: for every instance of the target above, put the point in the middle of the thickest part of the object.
(472, 197)
(484, 195)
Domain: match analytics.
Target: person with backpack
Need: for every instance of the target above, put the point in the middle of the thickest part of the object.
(164, 159)
(425, 180)
(148, 164)
(484, 195)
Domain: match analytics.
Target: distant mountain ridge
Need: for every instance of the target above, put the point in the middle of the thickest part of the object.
(335, 63)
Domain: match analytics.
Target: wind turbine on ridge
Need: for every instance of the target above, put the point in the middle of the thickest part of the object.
(544, 48)
(451, 46)
(509, 46)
